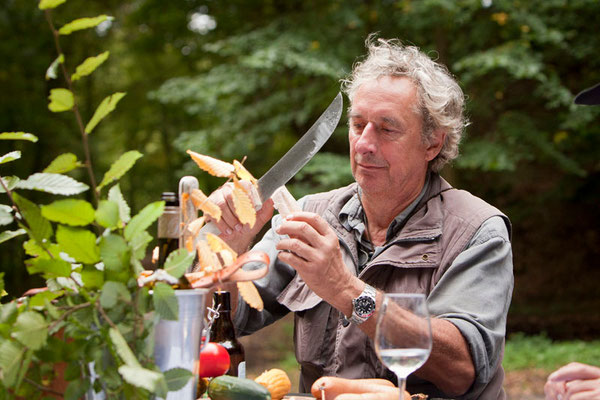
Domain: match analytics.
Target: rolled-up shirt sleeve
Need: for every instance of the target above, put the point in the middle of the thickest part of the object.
(475, 293)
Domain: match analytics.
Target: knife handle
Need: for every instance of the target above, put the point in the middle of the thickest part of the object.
(284, 202)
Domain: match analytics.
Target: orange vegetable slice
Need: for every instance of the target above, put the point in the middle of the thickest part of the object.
(213, 166)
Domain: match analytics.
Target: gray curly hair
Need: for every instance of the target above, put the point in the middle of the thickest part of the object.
(440, 98)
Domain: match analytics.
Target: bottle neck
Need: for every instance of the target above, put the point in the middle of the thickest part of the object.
(222, 328)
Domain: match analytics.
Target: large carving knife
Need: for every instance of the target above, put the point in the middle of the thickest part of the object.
(301, 153)
(296, 157)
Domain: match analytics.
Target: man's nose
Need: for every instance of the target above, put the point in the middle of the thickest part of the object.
(367, 142)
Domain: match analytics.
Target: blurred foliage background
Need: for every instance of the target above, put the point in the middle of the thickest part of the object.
(237, 78)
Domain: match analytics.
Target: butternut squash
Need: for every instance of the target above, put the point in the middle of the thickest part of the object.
(276, 381)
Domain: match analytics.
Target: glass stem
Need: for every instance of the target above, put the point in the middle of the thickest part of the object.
(401, 386)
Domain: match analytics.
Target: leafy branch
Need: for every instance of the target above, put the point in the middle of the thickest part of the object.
(75, 108)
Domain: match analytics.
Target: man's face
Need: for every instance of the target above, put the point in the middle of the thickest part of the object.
(388, 156)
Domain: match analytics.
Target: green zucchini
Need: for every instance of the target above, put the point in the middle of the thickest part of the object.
(227, 387)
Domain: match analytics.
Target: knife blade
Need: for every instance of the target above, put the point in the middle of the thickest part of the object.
(302, 152)
(295, 158)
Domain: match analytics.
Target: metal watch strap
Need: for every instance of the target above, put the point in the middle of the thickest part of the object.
(368, 292)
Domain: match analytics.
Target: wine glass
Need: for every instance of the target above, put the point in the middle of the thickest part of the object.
(403, 334)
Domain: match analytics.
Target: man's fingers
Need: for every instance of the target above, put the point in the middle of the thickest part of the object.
(300, 230)
(296, 247)
(575, 371)
(314, 220)
(582, 389)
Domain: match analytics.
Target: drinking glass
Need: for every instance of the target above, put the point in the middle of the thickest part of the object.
(403, 334)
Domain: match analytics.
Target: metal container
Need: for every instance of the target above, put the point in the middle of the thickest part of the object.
(177, 343)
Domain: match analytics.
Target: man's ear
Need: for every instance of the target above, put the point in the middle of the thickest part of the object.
(435, 144)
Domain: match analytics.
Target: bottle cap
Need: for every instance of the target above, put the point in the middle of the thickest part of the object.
(170, 198)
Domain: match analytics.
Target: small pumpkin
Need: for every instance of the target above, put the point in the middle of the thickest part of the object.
(276, 381)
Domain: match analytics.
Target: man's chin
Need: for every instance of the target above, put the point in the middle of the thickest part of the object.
(370, 186)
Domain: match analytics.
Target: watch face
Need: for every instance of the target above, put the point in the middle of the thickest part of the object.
(364, 306)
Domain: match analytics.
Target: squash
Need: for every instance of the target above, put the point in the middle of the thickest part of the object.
(276, 381)
(227, 387)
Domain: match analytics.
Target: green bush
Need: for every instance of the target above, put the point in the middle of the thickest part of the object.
(523, 352)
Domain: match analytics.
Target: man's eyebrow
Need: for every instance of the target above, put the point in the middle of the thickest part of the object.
(392, 121)
(352, 114)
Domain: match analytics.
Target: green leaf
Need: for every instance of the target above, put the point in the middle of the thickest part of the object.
(82, 23)
(11, 355)
(8, 314)
(113, 292)
(41, 298)
(139, 244)
(144, 378)
(61, 100)
(89, 65)
(12, 156)
(18, 136)
(10, 182)
(69, 211)
(92, 278)
(46, 4)
(107, 214)
(114, 252)
(120, 167)
(144, 219)
(7, 235)
(177, 378)
(53, 183)
(165, 302)
(39, 227)
(51, 72)
(106, 107)
(122, 348)
(31, 330)
(77, 389)
(6, 216)
(2, 291)
(78, 243)
(49, 267)
(63, 163)
(178, 262)
(114, 194)
(32, 248)
(24, 368)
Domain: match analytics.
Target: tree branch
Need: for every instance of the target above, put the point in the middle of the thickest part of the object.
(84, 136)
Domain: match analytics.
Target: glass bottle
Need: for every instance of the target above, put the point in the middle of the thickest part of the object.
(168, 227)
(223, 332)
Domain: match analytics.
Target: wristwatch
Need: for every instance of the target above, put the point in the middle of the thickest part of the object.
(364, 305)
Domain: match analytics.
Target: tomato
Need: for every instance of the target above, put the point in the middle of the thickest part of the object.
(214, 360)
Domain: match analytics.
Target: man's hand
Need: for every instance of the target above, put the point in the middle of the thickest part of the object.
(574, 381)
(236, 234)
(313, 250)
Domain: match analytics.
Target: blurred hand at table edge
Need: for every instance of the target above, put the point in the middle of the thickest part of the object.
(573, 381)
(355, 389)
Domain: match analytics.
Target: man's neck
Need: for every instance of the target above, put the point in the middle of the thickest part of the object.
(382, 208)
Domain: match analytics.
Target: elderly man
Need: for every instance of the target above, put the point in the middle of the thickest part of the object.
(399, 228)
